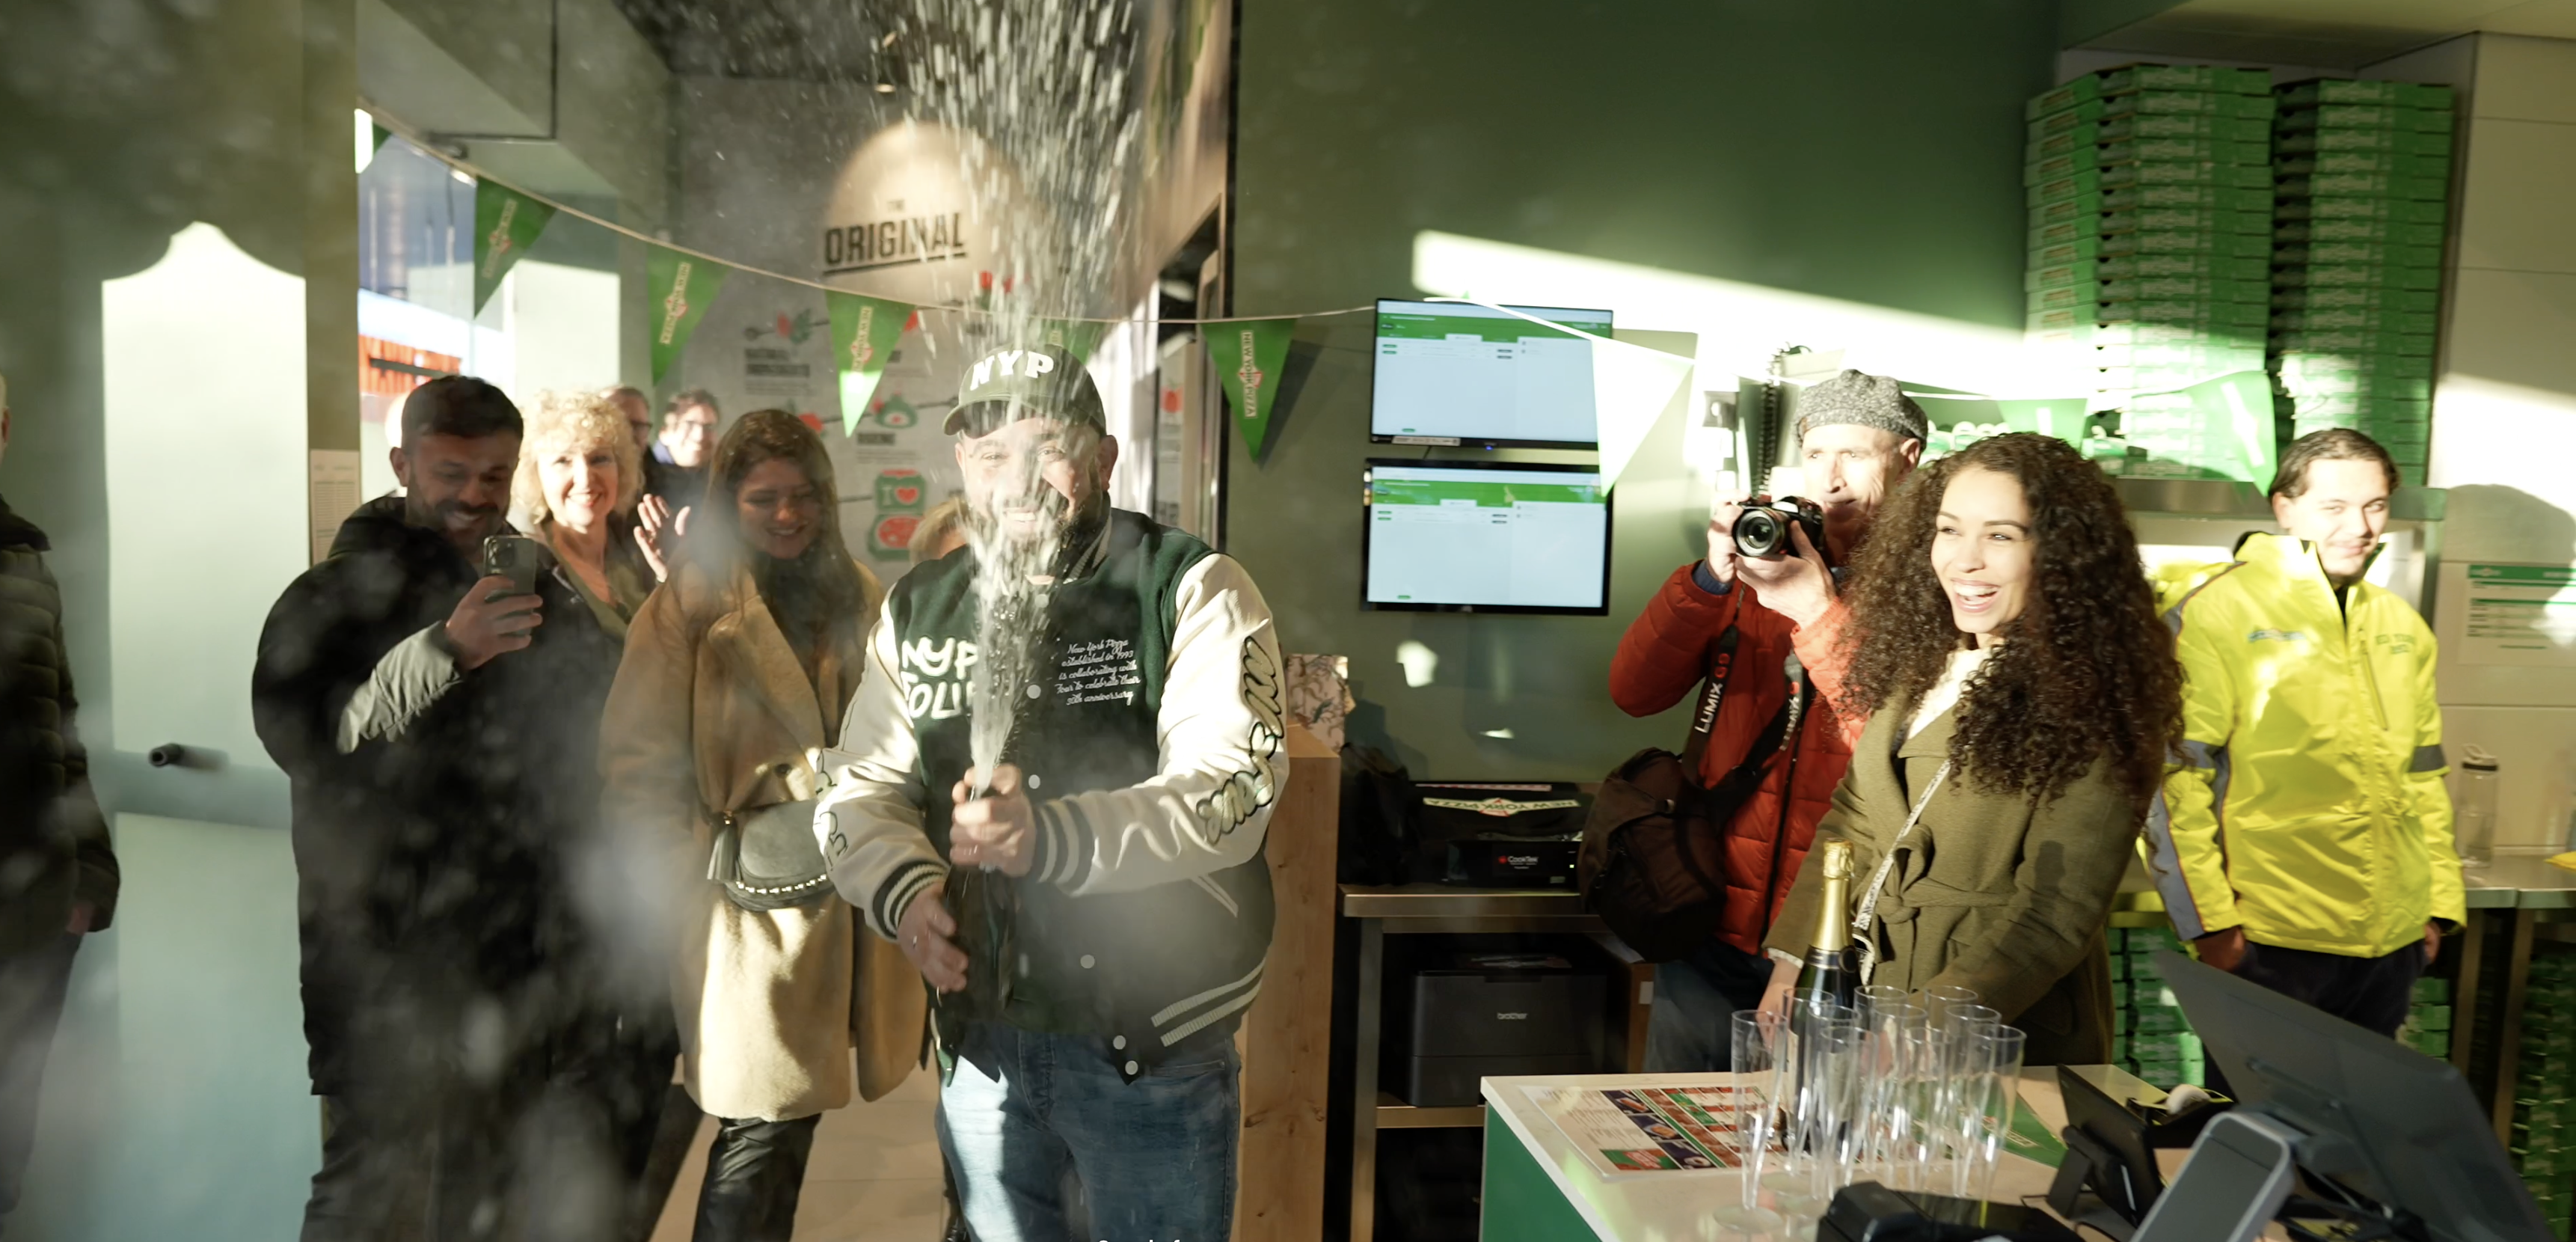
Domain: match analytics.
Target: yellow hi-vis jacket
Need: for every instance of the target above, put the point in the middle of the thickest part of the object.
(2310, 810)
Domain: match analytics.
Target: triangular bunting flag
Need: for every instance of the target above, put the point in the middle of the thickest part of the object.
(1250, 354)
(1076, 337)
(682, 287)
(864, 332)
(506, 223)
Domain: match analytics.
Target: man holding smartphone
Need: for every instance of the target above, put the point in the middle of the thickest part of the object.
(410, 692)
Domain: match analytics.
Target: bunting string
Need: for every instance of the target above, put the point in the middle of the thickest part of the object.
(428, 147)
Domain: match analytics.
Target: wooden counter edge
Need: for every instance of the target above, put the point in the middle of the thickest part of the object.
(1287, 1035)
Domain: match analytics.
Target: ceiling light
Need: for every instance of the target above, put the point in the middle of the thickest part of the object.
(885, 88)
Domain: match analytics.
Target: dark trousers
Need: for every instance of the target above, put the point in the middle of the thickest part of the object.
(1696, 998)
(412, 1166)
(2369, 992)
(755, 1173)
(32, 987)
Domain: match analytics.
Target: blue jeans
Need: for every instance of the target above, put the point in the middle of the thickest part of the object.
(1695, 999)
(1048, 1145)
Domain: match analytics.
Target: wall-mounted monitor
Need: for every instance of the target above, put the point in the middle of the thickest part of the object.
(1457, 373)
(1475, 537)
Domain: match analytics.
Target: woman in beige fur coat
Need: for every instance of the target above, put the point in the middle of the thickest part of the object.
(736, 670)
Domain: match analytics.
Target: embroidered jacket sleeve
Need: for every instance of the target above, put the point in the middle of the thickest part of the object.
(869, 819)
(1223, 755)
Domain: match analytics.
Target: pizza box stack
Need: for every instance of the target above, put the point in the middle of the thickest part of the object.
(2150, 194)
(2363, 188)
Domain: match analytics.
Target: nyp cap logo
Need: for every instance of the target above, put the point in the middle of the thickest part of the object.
(1011, 384)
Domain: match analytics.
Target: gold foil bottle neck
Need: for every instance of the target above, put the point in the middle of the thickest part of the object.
(1838, 860)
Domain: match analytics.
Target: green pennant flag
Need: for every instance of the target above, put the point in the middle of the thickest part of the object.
(506, 223)
(1076, 337)
(1249, 356)
(864, 332)
(682, 287)
(381, 133)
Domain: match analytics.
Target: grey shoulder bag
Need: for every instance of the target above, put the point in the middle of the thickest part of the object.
(768, 858)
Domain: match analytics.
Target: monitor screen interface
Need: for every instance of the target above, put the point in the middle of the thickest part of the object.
(1454, 371)
(1444, 536)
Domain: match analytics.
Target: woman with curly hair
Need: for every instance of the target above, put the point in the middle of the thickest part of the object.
(579, 480)
(2023, 694)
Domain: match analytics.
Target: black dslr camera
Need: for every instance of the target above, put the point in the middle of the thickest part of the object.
(1762, 529)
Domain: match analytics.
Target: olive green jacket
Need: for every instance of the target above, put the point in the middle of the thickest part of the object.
(1997, 892)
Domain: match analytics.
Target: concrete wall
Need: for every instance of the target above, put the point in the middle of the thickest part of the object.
(1722, 161)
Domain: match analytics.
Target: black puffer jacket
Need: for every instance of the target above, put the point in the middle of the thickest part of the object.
(53, 842)
(431, 805)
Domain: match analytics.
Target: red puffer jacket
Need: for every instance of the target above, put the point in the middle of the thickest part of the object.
(1665, 654)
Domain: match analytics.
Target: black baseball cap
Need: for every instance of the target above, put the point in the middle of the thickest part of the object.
(1008, 385)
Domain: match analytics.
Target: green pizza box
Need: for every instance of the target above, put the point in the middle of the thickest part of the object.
(2148, 151)
(2119, 971)
(2186, 172)
(2061, 275)
(2361, 116)
(2189, 103)
(2362, 320)
(2192, 288)
(2386, 163)
(2201, 220)
(2082, 130)
(2061, 210)
(2074, 249)
(2378, 411)
(2330, 275)
(2185, 263)
(2357, 297)
(2381, 185)
(2060, 189)
(2359, 207)
(2358, 388)
(2246, 247)
(2207, 197)
(2163, 377)
(2217, 359)
(2146, 940)
(2393, 233)
(2390, 254)
(2348, 91)
(2146, 1024)
(2356, 339)
(2246, 317)
(2430, 1017)
(2158, 79)
(2432, 990)
(2304, 366)
(2072, 229)
(2414, 141)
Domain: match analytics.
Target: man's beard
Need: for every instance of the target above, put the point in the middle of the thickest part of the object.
(1063, 531)
(436, 517)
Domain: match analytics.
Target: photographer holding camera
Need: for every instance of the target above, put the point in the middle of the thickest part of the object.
(1858, 437)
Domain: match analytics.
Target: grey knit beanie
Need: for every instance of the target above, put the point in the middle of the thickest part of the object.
(1863, 400)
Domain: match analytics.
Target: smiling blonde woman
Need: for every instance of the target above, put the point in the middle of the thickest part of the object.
(580, 476)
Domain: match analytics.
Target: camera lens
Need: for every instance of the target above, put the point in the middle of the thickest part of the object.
(1759, 533)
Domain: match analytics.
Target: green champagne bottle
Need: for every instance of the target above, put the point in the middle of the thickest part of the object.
(1827, 978)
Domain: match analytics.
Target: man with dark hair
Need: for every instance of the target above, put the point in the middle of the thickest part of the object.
(58, 873)
(1093, 911)
(415, 704)
(2303, 840)
(1859, 435)
(676, 473)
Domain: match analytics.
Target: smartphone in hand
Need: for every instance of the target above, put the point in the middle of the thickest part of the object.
(515, 557)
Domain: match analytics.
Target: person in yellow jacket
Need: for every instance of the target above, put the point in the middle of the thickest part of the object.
(2304, 842)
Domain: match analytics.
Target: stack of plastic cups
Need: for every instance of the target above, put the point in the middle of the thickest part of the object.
(1989, 1092)
(1895, 1034)
(1756, 1045)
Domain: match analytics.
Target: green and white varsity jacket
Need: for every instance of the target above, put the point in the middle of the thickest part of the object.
(1153, 752)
